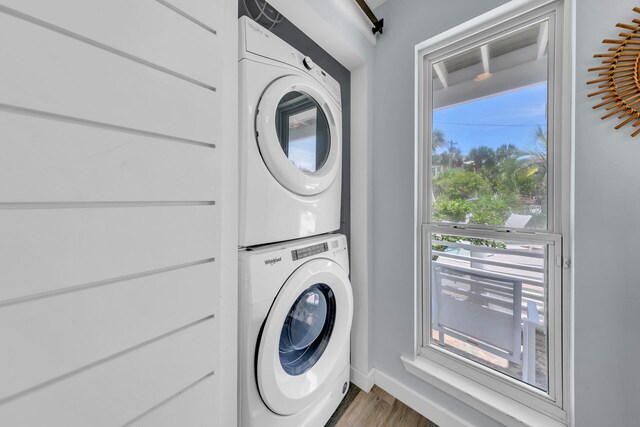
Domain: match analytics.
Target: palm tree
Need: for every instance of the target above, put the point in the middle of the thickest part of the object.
(438, 139)
(506, 151)
(532, 166)
(482, 157)
(534, 158)
(453, 156)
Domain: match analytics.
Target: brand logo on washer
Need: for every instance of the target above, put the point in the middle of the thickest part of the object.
(272, 261)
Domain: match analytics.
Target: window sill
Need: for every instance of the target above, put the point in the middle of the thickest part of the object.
(483, 399)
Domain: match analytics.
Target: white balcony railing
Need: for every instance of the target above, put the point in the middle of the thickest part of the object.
(492, 299)
(525, 263)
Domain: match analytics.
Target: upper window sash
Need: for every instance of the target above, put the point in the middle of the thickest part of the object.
(553, 189)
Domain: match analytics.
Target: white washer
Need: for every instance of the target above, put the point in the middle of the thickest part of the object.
(290, 141)
(296, 308)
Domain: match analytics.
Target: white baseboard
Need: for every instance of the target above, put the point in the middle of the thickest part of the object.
(363, 381)
(434, 412)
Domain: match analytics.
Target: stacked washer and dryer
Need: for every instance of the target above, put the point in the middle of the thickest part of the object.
(296, 303)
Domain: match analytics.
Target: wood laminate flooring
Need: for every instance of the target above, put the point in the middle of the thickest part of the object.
(375, 409)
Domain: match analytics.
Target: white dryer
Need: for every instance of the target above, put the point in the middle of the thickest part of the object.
(290, 141)
(296, 308)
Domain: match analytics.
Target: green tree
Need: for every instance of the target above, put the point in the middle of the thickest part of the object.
(493, 184)
(438, 139)
(514, 178)
(493, 209)
(451, 210)
(452, 157)
(506, 151)
(532, 176)
(481, 157)
(506, 179)
(535, 155)
(453, 184)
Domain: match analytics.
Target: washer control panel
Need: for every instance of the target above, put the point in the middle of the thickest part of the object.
(297, 254)
(339, 246)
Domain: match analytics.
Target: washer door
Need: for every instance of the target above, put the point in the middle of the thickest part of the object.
(298, 135)
(304, 335)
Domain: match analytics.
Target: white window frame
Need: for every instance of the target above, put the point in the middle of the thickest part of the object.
(503, 398)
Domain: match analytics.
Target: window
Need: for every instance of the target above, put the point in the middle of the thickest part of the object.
(491, 208)
(303, 131)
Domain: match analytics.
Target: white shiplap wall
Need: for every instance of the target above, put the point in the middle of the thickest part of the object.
(114, 147)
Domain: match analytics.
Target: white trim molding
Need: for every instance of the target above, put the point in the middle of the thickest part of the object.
(440, 415)
(354, 50)
(363, 381)
(495, 405)
(360, 216)
(229, 217)
(509, 10)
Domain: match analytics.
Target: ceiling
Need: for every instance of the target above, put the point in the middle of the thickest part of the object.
(514, 60)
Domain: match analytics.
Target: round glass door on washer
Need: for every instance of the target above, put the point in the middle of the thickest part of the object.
(290, 143)
(308, 323)
(307, 329)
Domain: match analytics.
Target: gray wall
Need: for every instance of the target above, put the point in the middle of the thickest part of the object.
(607, 208)
(299, 40)
(407, 22)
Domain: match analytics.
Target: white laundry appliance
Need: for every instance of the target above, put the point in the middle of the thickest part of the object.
(296, 308)
(290, 141)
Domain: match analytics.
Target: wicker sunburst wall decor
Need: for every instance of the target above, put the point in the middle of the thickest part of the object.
(619, 81)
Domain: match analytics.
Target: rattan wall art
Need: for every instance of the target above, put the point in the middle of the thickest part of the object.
(618, 81)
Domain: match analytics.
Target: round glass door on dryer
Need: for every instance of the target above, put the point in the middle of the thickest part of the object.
(305, 341)
(298, 135)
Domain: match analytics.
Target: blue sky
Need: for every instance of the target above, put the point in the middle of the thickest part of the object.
(509, 118)
(303, 153)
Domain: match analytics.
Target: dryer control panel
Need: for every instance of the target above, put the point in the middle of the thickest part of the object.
(258, 40)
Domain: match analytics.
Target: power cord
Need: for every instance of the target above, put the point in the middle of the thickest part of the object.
(262, 5)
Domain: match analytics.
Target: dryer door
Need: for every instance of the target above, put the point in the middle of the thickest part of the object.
(299, 134)
(304, 336)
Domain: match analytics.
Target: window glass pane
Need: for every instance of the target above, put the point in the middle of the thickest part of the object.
(303, 131)
(489, 303)
(489, 133)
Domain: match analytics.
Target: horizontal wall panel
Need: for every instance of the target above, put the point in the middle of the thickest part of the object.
(207, 12)
(49, 337)
(44, 160)
(45, 250)
(57, 74)
(120, 389)
(145, 29)
(195, 407)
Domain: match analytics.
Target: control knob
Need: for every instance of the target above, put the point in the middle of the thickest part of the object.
(308, 63)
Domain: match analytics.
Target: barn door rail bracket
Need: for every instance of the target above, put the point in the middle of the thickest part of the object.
(378, 24)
